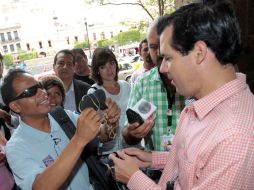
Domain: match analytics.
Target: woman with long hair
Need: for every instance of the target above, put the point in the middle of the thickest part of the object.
(105, 73)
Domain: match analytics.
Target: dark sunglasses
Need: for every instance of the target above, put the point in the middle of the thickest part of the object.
(29, 92)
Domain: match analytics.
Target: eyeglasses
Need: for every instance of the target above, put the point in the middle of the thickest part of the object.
(29, 92)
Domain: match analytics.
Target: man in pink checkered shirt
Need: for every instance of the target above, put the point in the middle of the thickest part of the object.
(214, 143)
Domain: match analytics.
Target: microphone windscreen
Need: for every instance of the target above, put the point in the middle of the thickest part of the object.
(101, 96)
(95, 100)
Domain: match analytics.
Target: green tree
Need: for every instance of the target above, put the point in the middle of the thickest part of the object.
(28, 55)
(134, 25)
(153, 8)
(8, 60)
(81, 45)
(105, 43)
(127, 37)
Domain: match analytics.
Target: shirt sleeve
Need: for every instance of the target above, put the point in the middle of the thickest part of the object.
(229, 166)
(139, 181)
(25, 169)
(159, 159)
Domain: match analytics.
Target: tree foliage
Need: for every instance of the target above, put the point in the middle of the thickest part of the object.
(128, 37)
(8, 59)
(153, 8)
(81, 45)
(122, 38)
(28, 55)
(136, 25)
(105, 43)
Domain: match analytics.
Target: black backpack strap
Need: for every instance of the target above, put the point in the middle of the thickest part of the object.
(64, 121)
(7, 131)
(96, 171)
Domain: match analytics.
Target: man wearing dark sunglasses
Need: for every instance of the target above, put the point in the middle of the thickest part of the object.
(39, 153)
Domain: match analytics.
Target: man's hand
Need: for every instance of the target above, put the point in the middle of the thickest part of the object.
(88, 125)
(113, 112)
(142, 158)
(131, 159)
(135, 132)
(124, 167)
(140, 131)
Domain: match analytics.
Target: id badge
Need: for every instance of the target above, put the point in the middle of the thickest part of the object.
(167, 141)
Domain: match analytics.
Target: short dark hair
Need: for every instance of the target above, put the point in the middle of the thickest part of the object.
(213, 22)
(80, 51)
(100, 57)
(65, 52)
(7, 91)
(51, 81)
(141, 43)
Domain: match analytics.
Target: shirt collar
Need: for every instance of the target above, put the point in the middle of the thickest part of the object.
(33, 132)
(154, 74)
(71, 89)
(204, 105)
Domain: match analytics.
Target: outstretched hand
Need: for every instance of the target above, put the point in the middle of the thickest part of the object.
(131, 159)
(135, 132)
(88, 125)
(113, 112)
(142, 158)
(124, 166)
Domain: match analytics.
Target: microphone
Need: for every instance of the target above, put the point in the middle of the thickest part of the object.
(95, 100)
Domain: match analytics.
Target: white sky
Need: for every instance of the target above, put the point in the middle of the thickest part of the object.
(36, 16)
(71, 11)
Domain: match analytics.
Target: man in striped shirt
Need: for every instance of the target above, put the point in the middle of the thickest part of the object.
(152, 86)
(214, 142)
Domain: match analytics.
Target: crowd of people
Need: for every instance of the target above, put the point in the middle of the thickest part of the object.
(199, 137)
